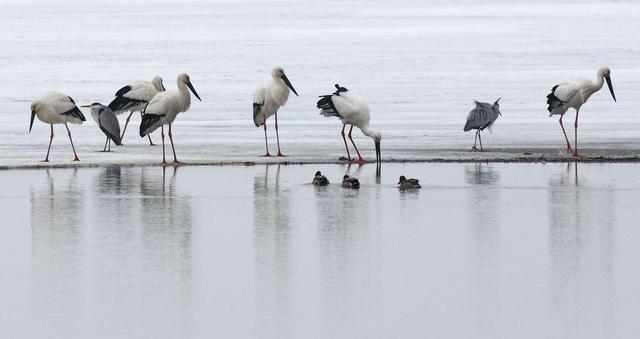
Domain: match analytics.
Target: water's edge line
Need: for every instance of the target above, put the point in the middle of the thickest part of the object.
(532, 160)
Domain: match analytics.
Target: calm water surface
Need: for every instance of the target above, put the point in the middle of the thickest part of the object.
(483, 250)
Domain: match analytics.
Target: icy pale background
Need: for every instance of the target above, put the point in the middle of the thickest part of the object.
(418, 63)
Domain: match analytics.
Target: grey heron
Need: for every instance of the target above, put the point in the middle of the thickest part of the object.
(351, 110)
(164, 108)
(267, 100)
(107, 122)
(410, 183)
(573, 95)
(320, 180)
(134, 97)
(57, 108)
(350, 182)
(481, 117)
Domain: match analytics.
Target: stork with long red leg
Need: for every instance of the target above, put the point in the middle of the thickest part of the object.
(163, 110)
(57, 108)
(267, 100)
(351, 110)
(135, 97)
(574, 94)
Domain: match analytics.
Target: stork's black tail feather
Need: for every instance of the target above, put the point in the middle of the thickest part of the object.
(553, 101)
(76, 113)
(148, 120)
(326, 105)
(122, 104)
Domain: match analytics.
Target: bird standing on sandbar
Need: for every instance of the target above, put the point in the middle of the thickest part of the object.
(135, 97)
(351, 110)
(573, 95)
(267, 100)
(57, 108)
(107, 122)
(163, 110)
(481, 117)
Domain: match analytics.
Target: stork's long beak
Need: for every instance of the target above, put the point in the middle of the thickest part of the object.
(288, 83)
(378, 156)
(163, 89)
(193, 90)
(608, 78)
(33, 115)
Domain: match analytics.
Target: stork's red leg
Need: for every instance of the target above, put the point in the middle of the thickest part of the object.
(175, 159)
(575, 143)
(266, 144)
(46, 159)
(164, 159)
(72, 147)
(126, 123)
(345, 143)
(360, 159)
(565, 134)
(278, 137)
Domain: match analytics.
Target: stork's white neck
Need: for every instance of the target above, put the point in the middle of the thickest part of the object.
(185, 96)
(368, 131)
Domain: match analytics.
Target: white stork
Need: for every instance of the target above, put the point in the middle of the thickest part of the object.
(164, 108)
(135, 97)
(57, 108)
(573, 95)
(267, 99)
(351, 110)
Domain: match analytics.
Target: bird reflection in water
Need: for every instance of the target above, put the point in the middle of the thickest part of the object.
(581, 251)
(483, 198)
(272, 232)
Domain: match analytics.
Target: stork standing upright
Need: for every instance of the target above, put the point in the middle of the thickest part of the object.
(351, 110)
(267, 100)
(481, 117)
(107, 122)
(57, 108)
(574, 94)
(135, 97)
(164, 108)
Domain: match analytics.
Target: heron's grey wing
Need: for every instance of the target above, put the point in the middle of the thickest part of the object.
(110, 126)
(479, 117)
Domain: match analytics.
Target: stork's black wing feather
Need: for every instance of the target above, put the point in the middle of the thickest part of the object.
(75, 112)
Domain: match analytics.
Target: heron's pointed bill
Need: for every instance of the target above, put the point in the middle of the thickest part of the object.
(33, 115)
(288, 83)
(608, 78)
(378, 156)
(193, 90)
(87, 106)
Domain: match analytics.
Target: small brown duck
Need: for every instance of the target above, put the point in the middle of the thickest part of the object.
(349, 182)
(405, 183)
(320, 180)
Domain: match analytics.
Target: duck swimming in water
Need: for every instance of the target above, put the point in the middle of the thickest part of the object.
(405, 183)
(320, 180)
(349, 182)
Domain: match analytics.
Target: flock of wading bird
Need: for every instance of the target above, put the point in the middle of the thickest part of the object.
(159, 107)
